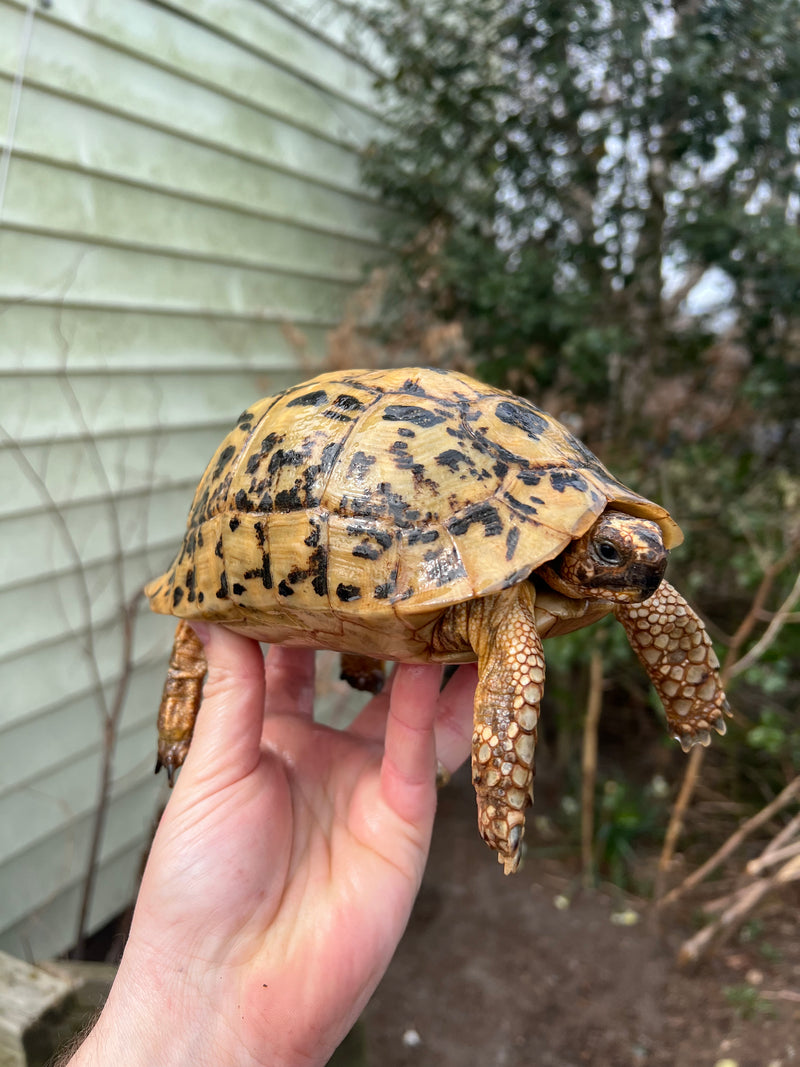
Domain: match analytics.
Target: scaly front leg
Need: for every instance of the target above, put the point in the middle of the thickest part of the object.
(180, 699)
(502, 631)
(675, 650)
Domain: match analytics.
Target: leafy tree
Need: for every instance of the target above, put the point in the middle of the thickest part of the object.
(604, 195)
(566, 175)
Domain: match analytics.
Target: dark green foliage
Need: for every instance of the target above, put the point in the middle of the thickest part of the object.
(552, 163)
(565, 175)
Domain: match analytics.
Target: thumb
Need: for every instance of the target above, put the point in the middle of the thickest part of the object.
(226, 741)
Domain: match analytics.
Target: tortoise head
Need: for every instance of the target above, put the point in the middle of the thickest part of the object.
(621, 558)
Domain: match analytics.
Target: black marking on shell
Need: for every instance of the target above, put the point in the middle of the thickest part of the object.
(319, 569)
(566, 479)
(523, 416)
(521, 507)
(218, 548)
(177, 596)
(289, 499)
(286, 457)
(516, 577)
(313, 399)
(530, 477)
(410, 386)
(443, 567)
(330, 454)
(243, 501)
(483, 513)
(238, 589)
(451, 458)
(347, 593)
(387, 588)
(512, 539)
(405, 431)
(190, 585)
(284, 589)
(224, 457)
(413, 414)
(312, 540)
(234, 524)
(264, 572)
(201, 597)
(363, 551)
(222, 592)
(348, 402)
(359, 464)
(423, 537)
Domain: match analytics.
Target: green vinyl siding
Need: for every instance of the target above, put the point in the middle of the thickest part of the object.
(181, 224)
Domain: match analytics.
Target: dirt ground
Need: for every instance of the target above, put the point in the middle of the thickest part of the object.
(492, 972)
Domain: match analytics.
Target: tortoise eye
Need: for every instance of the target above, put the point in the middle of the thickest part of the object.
(608, 553)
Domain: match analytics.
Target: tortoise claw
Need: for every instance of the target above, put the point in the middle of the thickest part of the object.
(170, 768)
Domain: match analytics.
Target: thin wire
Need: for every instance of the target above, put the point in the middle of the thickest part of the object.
(16, 96)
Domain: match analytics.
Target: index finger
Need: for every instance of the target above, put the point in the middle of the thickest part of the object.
(408, 769)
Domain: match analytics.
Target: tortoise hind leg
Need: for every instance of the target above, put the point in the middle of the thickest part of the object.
(180, 699)
(675, 650)
(362, 672)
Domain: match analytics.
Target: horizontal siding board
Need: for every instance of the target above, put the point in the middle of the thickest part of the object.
(97, 209)
(68, 792)
(182, 224)
(81, 69)
(32, 747)
(59, 859)
(45, 407)
(31, 679)
(71, 595)
(49, 930)
(79, 135)
(238, 47)
(51, 339)
(77, 472)
(147, 519)
(56, 268)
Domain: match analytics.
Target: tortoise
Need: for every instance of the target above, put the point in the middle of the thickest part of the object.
(429, 517)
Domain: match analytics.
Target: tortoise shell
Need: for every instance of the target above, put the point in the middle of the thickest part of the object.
(381, 497)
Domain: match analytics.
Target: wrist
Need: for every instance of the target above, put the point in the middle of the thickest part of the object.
(143, 1024)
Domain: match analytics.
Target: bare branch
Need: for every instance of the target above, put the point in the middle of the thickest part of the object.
(752, 824)
(779, 619)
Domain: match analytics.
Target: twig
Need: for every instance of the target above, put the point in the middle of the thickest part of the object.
(780, 618)
(731, 919)
(730, 668)
(594, 706)
(110, 728)
(675, 827)
(754, 823)
(778, 856)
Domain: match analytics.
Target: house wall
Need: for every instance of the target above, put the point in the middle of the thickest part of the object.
(181, 223)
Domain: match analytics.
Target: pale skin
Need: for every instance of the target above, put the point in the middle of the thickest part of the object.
(284, 868)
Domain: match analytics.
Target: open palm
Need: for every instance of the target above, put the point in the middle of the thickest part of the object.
(286, 863)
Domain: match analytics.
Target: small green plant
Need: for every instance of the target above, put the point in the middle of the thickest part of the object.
(747, 1002)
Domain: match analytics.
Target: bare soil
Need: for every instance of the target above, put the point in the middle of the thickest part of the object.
(492, 972)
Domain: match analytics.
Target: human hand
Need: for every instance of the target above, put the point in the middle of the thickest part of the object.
(284, 868)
